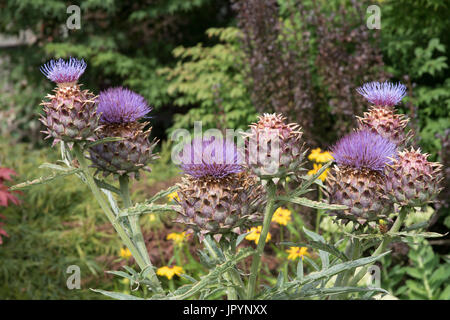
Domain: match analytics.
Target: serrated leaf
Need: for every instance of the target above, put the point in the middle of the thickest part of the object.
(45, 180)
(338, 268)
(313, 204)
(144, 208)
(117, 295)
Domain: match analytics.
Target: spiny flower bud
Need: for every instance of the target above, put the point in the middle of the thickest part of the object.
(357, 180)
(273, 147)
(412, 180)
(70, 114)
(120, 109)
(217, 195)
(382, 117)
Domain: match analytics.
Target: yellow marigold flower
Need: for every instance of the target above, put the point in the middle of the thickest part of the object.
(282, 216)
(173, 195)
(297, 252)
(324, 157)
(314, 153)
(125, 253)
(255, 233)
(317, 167)
(169, 272)
(177, 238)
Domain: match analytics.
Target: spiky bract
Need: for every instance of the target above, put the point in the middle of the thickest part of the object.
(274, 148)
(412, 180)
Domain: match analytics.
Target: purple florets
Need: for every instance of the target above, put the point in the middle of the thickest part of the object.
(210, 157)
(120, 105)
(383, 94)
(364, 149)
(61, 71)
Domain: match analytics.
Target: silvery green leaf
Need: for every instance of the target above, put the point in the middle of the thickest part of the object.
(312, 263)
(45, 180)
(143, 208)
(300, 270)
(319, 246)
(117, 295)
(311, 179)
(56, 167)
(214, 275)
(104, 185)
(338, 268)
(241, 237)
(313, 204)
(324, 256)
(162, 194)
(339, 290)
(104, 140)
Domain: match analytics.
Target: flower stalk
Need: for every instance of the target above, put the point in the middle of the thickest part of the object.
(256, 263)
(112, 218)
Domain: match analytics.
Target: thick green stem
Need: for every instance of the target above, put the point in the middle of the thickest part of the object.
(381, 248)
(254, 270)
(136, 231)
(111, 216)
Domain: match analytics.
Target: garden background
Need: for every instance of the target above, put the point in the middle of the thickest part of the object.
(221, 63)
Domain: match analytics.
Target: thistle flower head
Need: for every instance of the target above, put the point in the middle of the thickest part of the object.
(210, 157)
(121, 105)
(364, 149)
(383, 94)
(61, 71)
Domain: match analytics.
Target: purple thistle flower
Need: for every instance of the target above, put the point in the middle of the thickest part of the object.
(210, 157)
(383, 94)
(61, 71)
(364, 149)
(121, 105)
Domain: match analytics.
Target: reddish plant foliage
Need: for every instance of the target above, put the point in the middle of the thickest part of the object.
(6, 196)
(310, 70)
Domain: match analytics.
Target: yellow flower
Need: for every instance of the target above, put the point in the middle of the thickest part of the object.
(125, 253)
(318, 156)
(314, 153)
(297, 252)
(169, 272)
(177, 238)
(324, 157)
(173, 195)
(282, 216)
(317, 167)
(255, 233)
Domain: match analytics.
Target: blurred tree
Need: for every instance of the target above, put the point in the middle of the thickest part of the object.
(124, 43)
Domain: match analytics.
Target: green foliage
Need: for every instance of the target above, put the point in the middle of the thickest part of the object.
(123, 42)
(425, 277)
(211, 79)
(417, 47)
(50, 231)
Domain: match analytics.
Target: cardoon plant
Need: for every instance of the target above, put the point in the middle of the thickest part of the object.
(382, 117)
(274, 147)
(70, 114)
(217, 194)
(358, 180)
(120, 109)
(223, 193)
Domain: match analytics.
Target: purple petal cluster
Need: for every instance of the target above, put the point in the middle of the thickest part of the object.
(364, 149)
(213, 157)
(383, 94)
(121, 105)
(61, 71)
